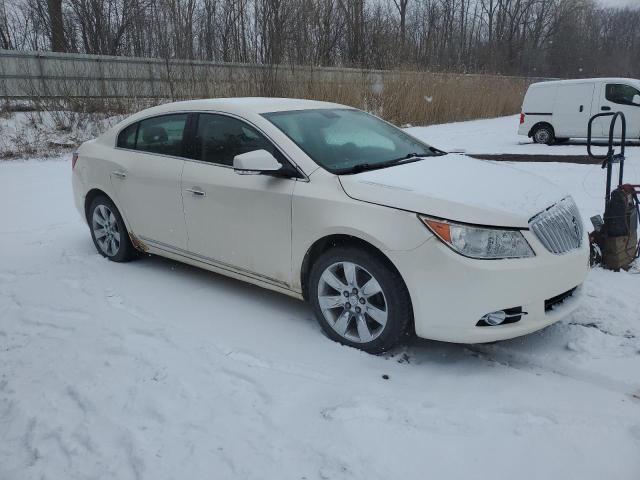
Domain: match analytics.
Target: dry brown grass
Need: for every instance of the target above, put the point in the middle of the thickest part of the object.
(405, 98)
(428, 99)
(400, 97)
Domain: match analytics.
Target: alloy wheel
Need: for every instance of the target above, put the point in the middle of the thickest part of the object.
(106, 231)
(352, 302)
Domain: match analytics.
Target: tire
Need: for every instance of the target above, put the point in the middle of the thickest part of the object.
(544, 134)
(377, 311)
(108, 231)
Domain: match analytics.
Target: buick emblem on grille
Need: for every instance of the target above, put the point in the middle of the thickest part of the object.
(576, 228)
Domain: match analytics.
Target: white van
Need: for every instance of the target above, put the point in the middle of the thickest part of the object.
(558, 110)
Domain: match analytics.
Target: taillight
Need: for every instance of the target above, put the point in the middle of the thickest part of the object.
(521, 118)
(74, 159)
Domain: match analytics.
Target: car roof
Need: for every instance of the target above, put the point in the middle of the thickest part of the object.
(586, 80)
(241, 105)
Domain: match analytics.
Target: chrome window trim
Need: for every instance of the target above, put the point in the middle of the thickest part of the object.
(305, 177)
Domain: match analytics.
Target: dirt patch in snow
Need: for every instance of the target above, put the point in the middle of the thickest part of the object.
(514, 157)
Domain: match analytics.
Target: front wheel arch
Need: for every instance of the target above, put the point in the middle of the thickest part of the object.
(328, 242)
(395, 300)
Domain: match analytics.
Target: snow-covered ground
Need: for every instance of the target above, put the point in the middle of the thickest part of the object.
(48, 134)
(156, 370)
(497, 135)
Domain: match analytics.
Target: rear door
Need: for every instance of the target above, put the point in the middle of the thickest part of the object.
(147, 178)
(572, 109)
(239, 222)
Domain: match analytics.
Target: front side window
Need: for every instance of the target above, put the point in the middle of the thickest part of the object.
(220, 138)
(344, 140)
(162, 135)
(622, 94)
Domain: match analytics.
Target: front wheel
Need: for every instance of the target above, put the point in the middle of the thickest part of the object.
(108, 231)
(359, 300)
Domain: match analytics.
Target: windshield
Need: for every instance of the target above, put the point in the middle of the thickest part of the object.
(347, 141)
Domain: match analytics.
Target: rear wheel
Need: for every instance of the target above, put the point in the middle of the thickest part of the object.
(359, 300)
(544, 134)
(108, 231)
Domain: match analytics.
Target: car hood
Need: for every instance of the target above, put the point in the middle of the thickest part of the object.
(459, 188)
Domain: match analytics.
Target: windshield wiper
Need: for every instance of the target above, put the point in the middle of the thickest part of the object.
(361, 167)
(412, 156)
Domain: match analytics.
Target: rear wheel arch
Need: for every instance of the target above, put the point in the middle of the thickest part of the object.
(96, 192)
(541, 125)
(90, 196)
(109, 232)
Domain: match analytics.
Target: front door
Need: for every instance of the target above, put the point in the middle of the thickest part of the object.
(146, 179)
(625, 98)
(239, 222)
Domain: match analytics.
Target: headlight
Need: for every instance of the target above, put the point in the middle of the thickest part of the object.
(480, 242)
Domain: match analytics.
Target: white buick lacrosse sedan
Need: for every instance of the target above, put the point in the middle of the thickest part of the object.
(379, 232)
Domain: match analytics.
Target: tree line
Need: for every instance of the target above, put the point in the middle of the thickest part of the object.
(542, 38)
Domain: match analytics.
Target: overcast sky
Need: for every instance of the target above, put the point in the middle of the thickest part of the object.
(620, 3)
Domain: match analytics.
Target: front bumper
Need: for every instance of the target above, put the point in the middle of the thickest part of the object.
(450, 293)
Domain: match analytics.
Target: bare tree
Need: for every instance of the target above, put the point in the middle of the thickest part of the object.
(564, 38)
(58, 42)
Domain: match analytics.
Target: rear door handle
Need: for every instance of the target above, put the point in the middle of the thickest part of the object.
(119, 174)
(196, 192)
(605, 108)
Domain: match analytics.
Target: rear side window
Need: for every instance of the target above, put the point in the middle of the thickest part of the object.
(622, 94)
(127, 137)
(162, 135)
(220, 138)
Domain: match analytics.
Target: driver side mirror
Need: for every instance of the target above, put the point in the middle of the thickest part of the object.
(255, 163)
(636, 100)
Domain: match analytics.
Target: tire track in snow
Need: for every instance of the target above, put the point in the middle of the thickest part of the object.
(533, 365)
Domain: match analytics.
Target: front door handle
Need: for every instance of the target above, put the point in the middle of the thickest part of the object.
(196, 192)
(605, 108)
(119, 174)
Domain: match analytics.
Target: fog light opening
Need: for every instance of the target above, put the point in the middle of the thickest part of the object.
(494, 318)
(508, 315)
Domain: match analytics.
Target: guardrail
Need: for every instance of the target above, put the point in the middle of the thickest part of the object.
(45, 75)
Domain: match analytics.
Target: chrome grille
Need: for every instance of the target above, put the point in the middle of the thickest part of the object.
(559, 228)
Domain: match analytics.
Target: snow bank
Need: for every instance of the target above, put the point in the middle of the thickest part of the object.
(48, 134)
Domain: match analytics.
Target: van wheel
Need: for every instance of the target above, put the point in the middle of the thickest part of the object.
(544, 134)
